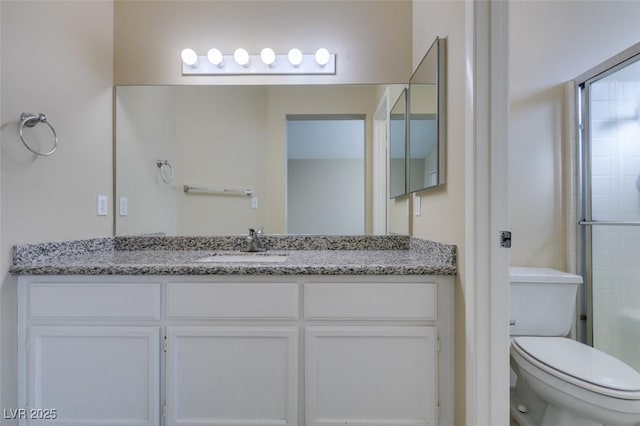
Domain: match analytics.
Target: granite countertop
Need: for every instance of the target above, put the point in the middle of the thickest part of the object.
(305, 255)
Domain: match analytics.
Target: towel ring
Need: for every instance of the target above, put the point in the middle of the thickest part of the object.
(30, 120)
(165, 167)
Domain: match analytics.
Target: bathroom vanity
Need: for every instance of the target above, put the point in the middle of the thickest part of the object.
(155, 331)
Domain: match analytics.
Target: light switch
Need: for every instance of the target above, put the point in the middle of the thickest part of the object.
(417, 204)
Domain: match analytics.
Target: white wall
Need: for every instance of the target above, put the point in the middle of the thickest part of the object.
(56, 59)
(575, 37)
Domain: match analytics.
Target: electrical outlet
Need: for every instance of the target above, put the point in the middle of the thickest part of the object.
(102, 205)
(417, 204)
(124, 206)
(254, 202)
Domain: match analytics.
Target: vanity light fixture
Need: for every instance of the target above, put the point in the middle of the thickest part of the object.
(266, 62)
(189, 57)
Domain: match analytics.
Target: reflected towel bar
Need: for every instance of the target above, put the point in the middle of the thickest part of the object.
(209, 190)
(608, 223)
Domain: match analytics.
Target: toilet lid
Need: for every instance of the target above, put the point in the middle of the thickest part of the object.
(581, 362)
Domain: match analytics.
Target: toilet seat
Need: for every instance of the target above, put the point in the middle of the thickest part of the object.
(580, 365)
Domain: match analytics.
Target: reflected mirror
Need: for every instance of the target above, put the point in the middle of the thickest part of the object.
(427, 139)
(212, 160)
(397, 147)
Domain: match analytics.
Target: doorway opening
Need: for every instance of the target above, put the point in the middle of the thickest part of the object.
(325, 174)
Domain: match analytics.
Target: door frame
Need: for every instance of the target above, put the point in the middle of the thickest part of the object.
(379, 169)
(486, 263)
(365, 155)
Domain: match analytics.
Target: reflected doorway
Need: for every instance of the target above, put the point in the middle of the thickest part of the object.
(326, 174)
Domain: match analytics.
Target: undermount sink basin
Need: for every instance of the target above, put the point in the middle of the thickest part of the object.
(244, 258)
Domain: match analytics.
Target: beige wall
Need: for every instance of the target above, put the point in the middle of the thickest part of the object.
(372, 39)
(221, 142)
(56, 59)
(443, 210)
(145, 119)
(577, 36)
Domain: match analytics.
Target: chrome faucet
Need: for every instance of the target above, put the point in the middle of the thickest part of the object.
(253, 241)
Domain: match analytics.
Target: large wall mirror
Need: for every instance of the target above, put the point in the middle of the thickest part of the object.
(228, 145)
(427, 123)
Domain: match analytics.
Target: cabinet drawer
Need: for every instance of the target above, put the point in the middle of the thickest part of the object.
(385, 301)
(236, 300)
(118, 301)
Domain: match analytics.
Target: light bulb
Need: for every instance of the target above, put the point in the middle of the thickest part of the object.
(268, 56)
(215, 57)
(241, 56)
(322, 56)
(295, 57)
(189, 57)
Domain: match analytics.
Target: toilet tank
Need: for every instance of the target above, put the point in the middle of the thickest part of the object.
(542, 301)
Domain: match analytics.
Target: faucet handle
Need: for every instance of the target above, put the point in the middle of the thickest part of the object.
(261, 230)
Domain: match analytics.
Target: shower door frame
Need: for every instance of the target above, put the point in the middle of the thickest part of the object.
(583, 197)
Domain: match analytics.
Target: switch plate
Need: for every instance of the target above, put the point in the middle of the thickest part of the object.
(102, 205)
(124, 206)
(254, 202)
(417, 204)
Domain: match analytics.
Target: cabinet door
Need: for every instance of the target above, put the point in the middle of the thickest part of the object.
(240, 376)
(94, 375)
(371, 376)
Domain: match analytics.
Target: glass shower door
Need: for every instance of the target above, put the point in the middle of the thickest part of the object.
(611, 161)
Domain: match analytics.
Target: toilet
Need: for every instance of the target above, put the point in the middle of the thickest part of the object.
(559, 381)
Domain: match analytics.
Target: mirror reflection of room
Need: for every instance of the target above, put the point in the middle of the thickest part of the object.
(426, 130)
(234, 138)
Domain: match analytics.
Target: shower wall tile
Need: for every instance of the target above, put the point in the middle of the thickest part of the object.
(630, 146)
(602, 110)
(615, 127)
(602, 147)
(603, 91)
(628, 90)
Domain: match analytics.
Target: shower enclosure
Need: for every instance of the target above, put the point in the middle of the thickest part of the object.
(609, 205)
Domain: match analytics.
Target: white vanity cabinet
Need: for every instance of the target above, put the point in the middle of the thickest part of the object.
(237, 350)
(89, 352)
(381, 368)
(232, 352)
